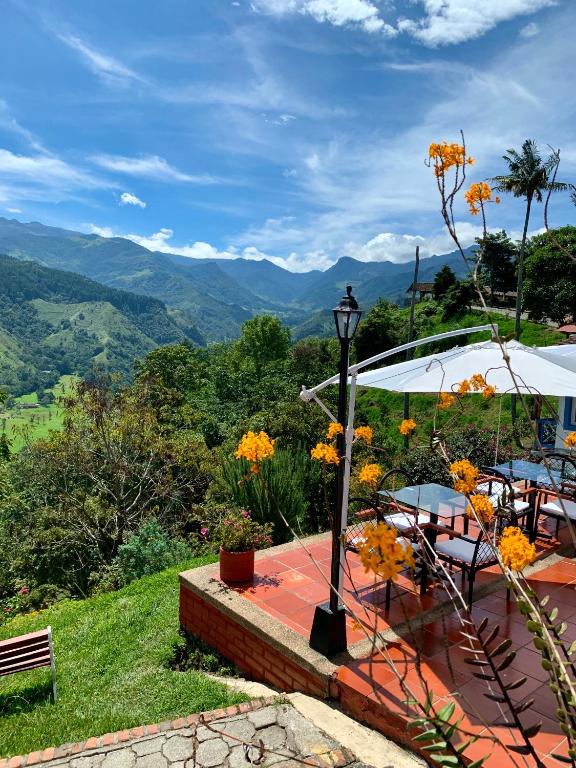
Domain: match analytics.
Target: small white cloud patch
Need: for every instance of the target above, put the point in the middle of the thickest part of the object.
(530, 30)
(127, 198)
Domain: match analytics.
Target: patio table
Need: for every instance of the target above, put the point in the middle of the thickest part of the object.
(536, 475)
(438, 501)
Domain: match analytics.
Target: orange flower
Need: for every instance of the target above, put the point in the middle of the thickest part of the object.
(327, 454)
(384, 554)
(477, 382)
(255, 448)
(445, 401)
(515, 549)
(488, 391)
(370, 474)
(364, 433)
(406, 427)
(444, 156)
(334, 429)
(478, 194)
(464, 387)
(482, 506)
(465, 476)
(570, 439)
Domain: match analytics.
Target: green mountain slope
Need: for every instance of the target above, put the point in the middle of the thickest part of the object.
(54, 322)
(215, 295)
(123, 264)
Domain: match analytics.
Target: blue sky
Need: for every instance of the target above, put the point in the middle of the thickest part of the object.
(291, 129)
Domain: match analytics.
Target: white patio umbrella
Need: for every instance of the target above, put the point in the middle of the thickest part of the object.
(537, 371)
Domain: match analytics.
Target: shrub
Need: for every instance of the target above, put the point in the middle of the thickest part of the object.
(148, 551)
(288, 481)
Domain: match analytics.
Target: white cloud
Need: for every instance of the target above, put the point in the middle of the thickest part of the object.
(101, 231)
(105, 67)
(149, 166)
(46, 170)
(455, 21)
(530, 30)
(312, 161)
(340, 13)
(13, 210)
(127, 198)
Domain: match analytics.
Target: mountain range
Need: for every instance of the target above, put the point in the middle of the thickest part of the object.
(215, 296)
(54, 322)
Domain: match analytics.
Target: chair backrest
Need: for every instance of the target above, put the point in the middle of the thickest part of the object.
(363, 510)
(31, 651)
(484, 553)
(394, 479)
(496, 486)
(565, 466)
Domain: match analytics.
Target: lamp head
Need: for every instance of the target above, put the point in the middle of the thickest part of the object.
(347, 316)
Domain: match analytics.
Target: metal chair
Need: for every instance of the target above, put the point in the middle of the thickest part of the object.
(497, 486)
(395, 514)
(363, 511)
(548, 499)
(473, 554)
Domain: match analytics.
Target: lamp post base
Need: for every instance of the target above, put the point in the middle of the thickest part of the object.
(328, 635)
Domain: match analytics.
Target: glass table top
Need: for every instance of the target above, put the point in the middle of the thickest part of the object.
(519, 469)
(430, 497)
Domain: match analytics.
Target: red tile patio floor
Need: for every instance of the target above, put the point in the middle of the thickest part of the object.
(289, 587)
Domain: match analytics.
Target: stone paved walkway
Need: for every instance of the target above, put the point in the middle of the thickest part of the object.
(288, 739)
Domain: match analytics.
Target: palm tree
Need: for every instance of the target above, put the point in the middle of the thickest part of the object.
(528, 177)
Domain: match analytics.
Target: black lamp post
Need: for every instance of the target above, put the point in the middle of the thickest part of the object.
(328, 634)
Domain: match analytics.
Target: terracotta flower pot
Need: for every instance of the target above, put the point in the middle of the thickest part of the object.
(236, 567)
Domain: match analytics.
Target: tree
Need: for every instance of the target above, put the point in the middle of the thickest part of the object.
(458, 299)
(264, 340)
(497, 262)
(445, 278)
(551, 276)
(384, 327)
(528, 176)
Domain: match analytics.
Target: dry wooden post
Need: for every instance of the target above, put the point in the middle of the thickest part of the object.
(410, 338)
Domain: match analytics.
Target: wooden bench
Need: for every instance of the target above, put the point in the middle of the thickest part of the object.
(19, 654)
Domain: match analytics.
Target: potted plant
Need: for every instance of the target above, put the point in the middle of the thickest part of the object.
(239, 537)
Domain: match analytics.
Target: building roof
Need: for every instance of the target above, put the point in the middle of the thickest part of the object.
(568, 329)
(422, 287)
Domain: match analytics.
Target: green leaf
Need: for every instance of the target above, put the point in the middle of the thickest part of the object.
(544, 600)
(501, 648)
(572, 648)
(553, 614)
(479, 763)
(539, 643)
(534, 626)
(463, 747)
(438, 745)
(426, 736)
(523, 607)
(547, 665)
(563, 758)
(515, 684)
(532, 730)
(446, 712)
(445, 759)
(562, 628)
(507, 661)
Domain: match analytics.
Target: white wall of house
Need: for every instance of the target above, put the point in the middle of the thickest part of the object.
(566, 420)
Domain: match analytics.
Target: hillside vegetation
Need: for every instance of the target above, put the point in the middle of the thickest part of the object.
(112, 653)
(54, 322)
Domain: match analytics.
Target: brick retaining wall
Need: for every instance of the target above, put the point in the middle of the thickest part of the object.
(253, 655)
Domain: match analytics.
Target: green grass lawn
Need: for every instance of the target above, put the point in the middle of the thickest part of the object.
(112, 654)
(22, 426)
